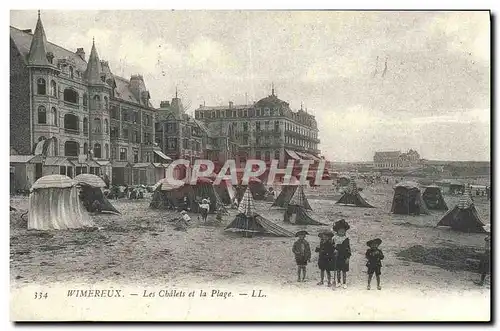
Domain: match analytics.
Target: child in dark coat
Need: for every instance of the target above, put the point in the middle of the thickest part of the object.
(302, 251)
(374, 257)
(484, 263)
(343, 248)
(326, 259)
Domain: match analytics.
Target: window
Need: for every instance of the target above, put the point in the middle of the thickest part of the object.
(172, 143)
(71, 74)
(213, 115)
(85, 126)
(85, 101)
(85, 148)
(106, 126)
(277, 155)
(125, 115)
(276, 126)
(257, 126)
(234, 113)
(184, 143)
(245, 140)
(71, 122)
(106, 151)
(135, 136)
(113, 153)
(245, 113)
(41, 86)
(123, 154)
(218, 113)
(125, 133)
(71, 148)
(56, 146)
(97, 97)
(42, 115)
(97, 125)
(54, 115)
(258, 155)
(97, 150)
(245, 127)
(106, 102)
(70, 95)
(135, 117)
(114, 112)
(136, 155)
(268, 155)
(53, 88)
(148, 157)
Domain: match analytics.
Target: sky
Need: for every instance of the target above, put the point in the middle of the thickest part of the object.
(434, 95)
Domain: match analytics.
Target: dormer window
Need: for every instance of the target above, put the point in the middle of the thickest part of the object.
(50, 57)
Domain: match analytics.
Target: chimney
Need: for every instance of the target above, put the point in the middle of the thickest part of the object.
(81, 53)
(230, 104)
(27, 31)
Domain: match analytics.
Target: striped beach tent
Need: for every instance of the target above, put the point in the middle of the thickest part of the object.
(298, 210)
(352, 197)
(464, 217)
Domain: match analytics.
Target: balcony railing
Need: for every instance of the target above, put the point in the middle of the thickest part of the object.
(71, 105)
(71, 131)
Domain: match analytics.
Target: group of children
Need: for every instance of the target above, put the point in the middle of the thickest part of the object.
(334, 252)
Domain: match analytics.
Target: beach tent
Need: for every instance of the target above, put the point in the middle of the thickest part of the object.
(257, 188)
(204, 189)
(249, 222)
(226, 191)
(287, 191)
(408, 200)
(91, 190)
(433, 198)
(54, 205)
(464, 216)
(297, 210)
(167, 195)
(456, 187)
(352, 197)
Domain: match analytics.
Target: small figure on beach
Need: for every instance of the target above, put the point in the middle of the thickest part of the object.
(374, 257)
(183, 221)
(343, 247)
(484, 263)
(302, 251)
(326, 259)
(204, 209)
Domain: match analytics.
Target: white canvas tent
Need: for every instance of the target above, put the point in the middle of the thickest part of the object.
(54, 205)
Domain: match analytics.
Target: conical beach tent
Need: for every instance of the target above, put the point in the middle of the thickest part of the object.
(296, 210)
(433, 198)
(408, 200)
(226, 191)
(352, 197)
(287, 191)
(464, 216)
(54, 205)
(248, 221)
(91, 190)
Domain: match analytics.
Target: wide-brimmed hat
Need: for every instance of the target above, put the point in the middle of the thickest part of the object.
(341, 224)
(376, 241)
(301, 232)
(204, 201)
(487, 228)
(326, 233)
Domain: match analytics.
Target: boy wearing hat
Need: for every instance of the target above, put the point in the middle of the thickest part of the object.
(374, 258)
(302, 252)
(484, 263)
(326, 259)
(343, 247)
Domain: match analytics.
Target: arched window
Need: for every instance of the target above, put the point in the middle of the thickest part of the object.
(97, 150)
(71, 148)
(106, 126)
(53, 88)
(70, 95)
(106, 151)
(106, 103)
(42, 115)
(97, 125)
(276, 155)
(85, 148)
(97, 97)
(85, 125)
(56, 146)
(71, 74)
(41, 86)
(85, 101)
(71, 122)
(54, 116)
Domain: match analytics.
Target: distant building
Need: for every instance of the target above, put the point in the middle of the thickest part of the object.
(396, 159)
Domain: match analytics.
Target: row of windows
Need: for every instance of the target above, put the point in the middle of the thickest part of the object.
(72, 148)
(300, 142)
(131, 116)
(135, 137)
(71, 121)
(267, 155)
(69, 95)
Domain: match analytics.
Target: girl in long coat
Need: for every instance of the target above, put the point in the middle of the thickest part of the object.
(326, 259)
(343, 247)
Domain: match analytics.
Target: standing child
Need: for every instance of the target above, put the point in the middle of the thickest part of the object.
(302, 252)
(374, 256)
(204, 208)
(326, 259)
(484, 264)
(343, 246)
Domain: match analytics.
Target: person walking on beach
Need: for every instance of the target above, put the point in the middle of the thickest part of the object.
(302, 251)
(204, 208)
(374, 257)
(484, 263)
(326, 259)
(343, 247)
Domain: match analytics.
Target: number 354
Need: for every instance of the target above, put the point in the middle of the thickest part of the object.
(40, 295)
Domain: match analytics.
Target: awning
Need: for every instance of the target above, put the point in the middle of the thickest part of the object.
(58, 161)
(141, 165)
(25, 158)
(304, 156)
(163, 156)
(103, 163)
(292, 154)
(120, 164)
(92, 163)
